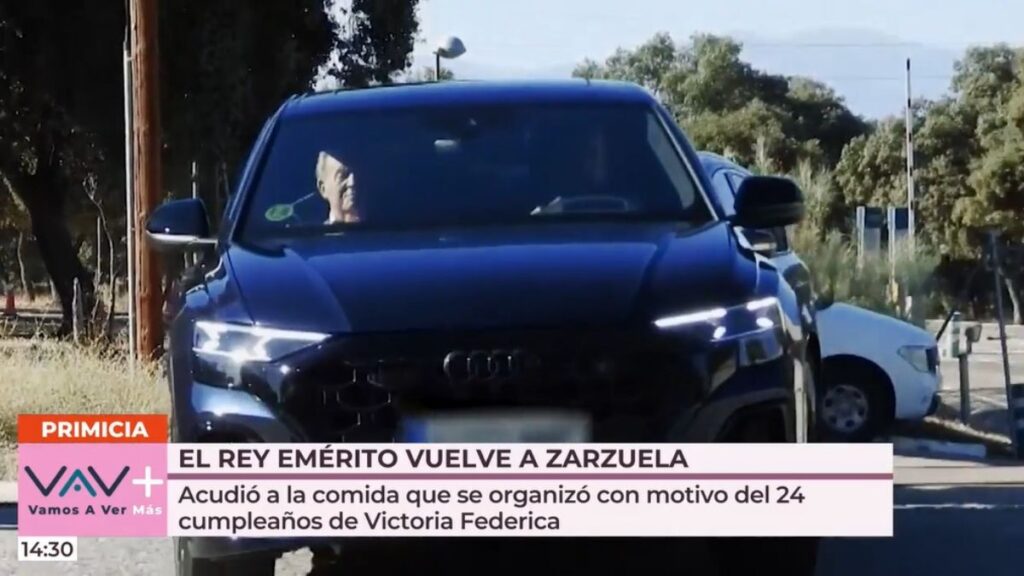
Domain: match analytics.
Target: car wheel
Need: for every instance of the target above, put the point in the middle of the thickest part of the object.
(853, 406)
(186, 565)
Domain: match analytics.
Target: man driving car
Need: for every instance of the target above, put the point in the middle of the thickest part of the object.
(336, 183)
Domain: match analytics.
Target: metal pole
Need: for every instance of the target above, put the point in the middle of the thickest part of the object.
(148, 181)
(129, 197)
(861, 224)
(998, 275)
(965, 388)
(437, 66)
(192, 259)
(891, 225)
(910, 162)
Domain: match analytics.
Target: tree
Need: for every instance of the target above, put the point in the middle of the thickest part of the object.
(871, 170)
(989, 85)
(716, 80)
(945, 148)
(986, 76)
(648, 65)
(730, 107)
(225, 67)
(969, 157)
(429, 74)
(818, 114)
(997, 203)
(376, 41)
(56, 112)
(741, 134)
(244, 60)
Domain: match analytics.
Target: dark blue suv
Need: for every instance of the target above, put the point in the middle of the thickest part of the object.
(507, 262)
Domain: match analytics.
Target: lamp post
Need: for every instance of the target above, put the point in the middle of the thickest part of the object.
(449, 48)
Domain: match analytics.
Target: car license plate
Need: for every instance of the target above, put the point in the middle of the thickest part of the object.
(498, 428)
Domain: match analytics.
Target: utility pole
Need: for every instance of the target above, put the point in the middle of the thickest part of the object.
(129, 150)
(910, 162)
(148, 179)
(997, 272)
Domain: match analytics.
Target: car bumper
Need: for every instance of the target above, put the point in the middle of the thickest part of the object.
(753, 403)
(222, 415)
(916, 394)
(252, 421)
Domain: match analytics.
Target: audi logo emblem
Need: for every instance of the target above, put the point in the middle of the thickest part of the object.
(488, 365)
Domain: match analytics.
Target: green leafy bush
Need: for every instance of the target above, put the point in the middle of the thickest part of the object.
(839, 275)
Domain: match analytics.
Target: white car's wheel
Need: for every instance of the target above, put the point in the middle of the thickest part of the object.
(853, 405)
(846, 409)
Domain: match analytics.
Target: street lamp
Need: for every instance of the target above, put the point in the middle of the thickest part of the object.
(449, 48)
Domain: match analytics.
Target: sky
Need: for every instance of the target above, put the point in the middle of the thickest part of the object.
(523, 38)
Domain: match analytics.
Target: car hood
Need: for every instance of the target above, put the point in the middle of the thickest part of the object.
(515, 277)
(844, 329)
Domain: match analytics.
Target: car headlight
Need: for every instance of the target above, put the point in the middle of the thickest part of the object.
(221, 350)
(754, 327)
(723, 324)
(921, 358)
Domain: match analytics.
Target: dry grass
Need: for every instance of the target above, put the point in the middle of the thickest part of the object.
(40, 376)
(8, 464)
(43, 300)
(950, 430)
(40, 301)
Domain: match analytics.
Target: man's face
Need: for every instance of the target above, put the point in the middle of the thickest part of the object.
(336, 184)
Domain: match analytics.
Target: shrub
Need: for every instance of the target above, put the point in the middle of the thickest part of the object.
(40, 377)
(838, 275)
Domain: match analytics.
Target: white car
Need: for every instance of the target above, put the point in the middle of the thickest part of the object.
(877, 369)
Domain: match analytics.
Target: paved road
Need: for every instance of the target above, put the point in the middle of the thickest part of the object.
(8, 516)
(953, 531)
(988, 383)
(951, 518)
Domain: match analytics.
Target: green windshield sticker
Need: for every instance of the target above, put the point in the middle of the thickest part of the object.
(279, 212)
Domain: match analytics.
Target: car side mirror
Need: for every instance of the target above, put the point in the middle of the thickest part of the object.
(761, 241)
(179, 226)
(768, 202)
(973, 333)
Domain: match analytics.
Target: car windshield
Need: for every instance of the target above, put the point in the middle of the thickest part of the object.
(494, 165)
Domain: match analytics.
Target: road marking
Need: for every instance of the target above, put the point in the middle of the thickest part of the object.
(964, 506)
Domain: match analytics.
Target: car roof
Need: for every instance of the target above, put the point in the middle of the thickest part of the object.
(463, 92)
(714, 162)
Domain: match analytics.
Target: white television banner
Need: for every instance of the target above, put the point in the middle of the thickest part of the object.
(402, 490)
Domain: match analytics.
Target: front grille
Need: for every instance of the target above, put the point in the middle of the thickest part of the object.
(631, 390)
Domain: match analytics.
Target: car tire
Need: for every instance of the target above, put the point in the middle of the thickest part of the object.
(855, 405)
(250, 565)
